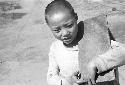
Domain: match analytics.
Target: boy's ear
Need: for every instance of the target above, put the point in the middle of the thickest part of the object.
(76, 17)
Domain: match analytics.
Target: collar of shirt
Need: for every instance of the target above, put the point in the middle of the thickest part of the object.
(74, 48)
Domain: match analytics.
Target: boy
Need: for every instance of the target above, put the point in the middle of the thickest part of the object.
(63, 56)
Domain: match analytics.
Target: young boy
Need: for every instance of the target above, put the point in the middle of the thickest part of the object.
(63, 56)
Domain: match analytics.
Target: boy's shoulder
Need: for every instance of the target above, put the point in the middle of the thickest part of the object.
(57, 42)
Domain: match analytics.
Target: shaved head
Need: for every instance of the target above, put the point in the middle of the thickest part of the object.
(59, 7)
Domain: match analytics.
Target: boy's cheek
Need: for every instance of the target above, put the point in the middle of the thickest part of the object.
(57, 37)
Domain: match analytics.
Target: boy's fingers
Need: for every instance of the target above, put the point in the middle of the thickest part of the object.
(89, 82)
(79, 81)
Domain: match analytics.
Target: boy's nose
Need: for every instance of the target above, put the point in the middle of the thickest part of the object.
(65, 33)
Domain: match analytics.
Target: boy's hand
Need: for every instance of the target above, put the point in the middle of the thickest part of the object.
(77, 78)
(78, 81)
(91, 79)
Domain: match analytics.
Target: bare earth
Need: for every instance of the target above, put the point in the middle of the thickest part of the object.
(25, 38)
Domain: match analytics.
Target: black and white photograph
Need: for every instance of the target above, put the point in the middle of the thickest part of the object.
(62, 42)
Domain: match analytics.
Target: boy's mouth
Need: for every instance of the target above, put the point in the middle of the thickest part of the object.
(66, 40)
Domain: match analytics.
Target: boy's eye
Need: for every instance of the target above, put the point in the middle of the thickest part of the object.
(68, 25)
(57, 30)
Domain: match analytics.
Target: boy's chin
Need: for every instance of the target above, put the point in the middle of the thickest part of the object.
(68, 44)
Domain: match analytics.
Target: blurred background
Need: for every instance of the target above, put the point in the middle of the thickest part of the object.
(25, 38)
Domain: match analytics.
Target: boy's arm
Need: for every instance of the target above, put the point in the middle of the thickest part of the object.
(53, 77)
(53, 72)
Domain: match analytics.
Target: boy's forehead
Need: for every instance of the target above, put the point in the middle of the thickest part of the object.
(59, 16)
(59, 9)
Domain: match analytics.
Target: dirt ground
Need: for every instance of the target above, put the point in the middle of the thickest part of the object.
(25, 38)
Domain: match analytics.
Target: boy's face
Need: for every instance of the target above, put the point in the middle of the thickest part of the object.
(63, 26)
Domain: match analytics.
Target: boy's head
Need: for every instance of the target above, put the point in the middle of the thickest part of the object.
(62, 20)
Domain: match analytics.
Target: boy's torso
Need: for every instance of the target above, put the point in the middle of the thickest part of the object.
(66, 58)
